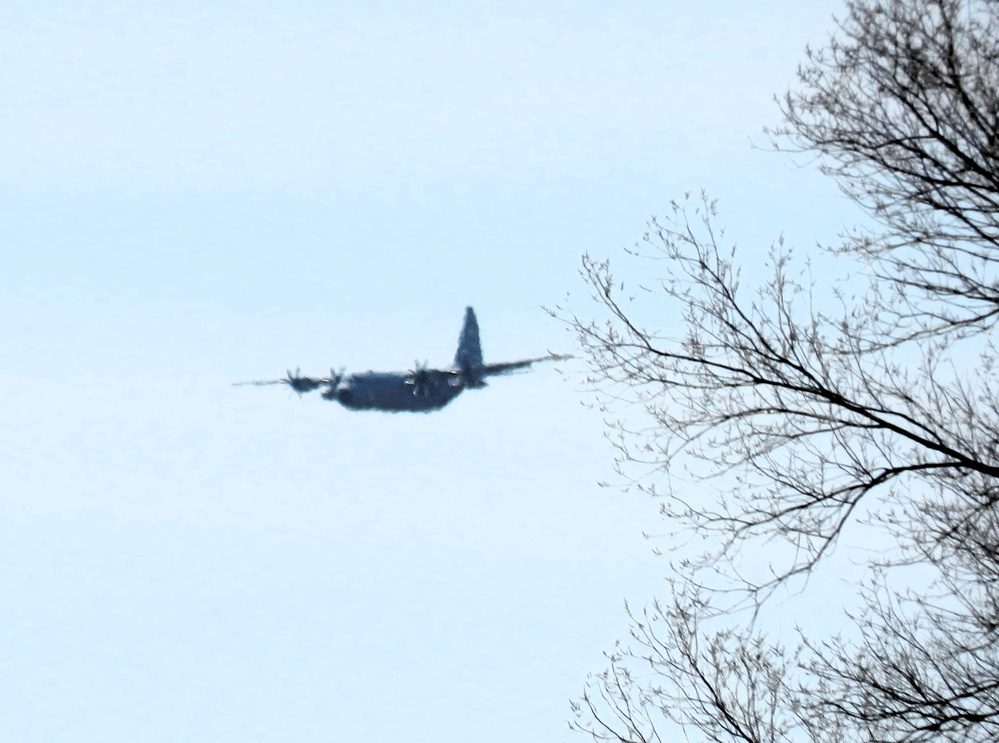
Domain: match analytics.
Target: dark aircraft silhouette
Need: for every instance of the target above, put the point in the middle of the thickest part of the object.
(421, 389)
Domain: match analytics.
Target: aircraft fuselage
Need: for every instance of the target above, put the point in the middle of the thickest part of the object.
(395, 392)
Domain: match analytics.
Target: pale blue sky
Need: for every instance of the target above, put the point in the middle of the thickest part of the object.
(195, 194)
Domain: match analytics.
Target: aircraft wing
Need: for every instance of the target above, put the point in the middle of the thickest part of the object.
(297, 382)
(489, 370)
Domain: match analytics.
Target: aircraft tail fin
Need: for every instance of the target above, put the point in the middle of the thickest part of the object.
(468, 358)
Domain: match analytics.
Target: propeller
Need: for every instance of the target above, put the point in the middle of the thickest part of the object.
(295, 380)
(332, 383)
(301, 384)
(419, 379)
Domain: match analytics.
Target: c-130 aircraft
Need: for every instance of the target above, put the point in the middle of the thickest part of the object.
(420, 390)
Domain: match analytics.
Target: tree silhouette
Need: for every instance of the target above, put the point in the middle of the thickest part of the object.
(816, 416)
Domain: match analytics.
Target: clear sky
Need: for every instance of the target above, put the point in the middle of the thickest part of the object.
(193, 194)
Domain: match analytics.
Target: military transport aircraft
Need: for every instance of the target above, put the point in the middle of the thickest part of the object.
(421, 389)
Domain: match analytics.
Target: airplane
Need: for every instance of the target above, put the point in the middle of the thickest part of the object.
(420, 390)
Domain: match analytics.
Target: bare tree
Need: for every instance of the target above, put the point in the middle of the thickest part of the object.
(815, 416)
(729, 685)
(905, 108)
